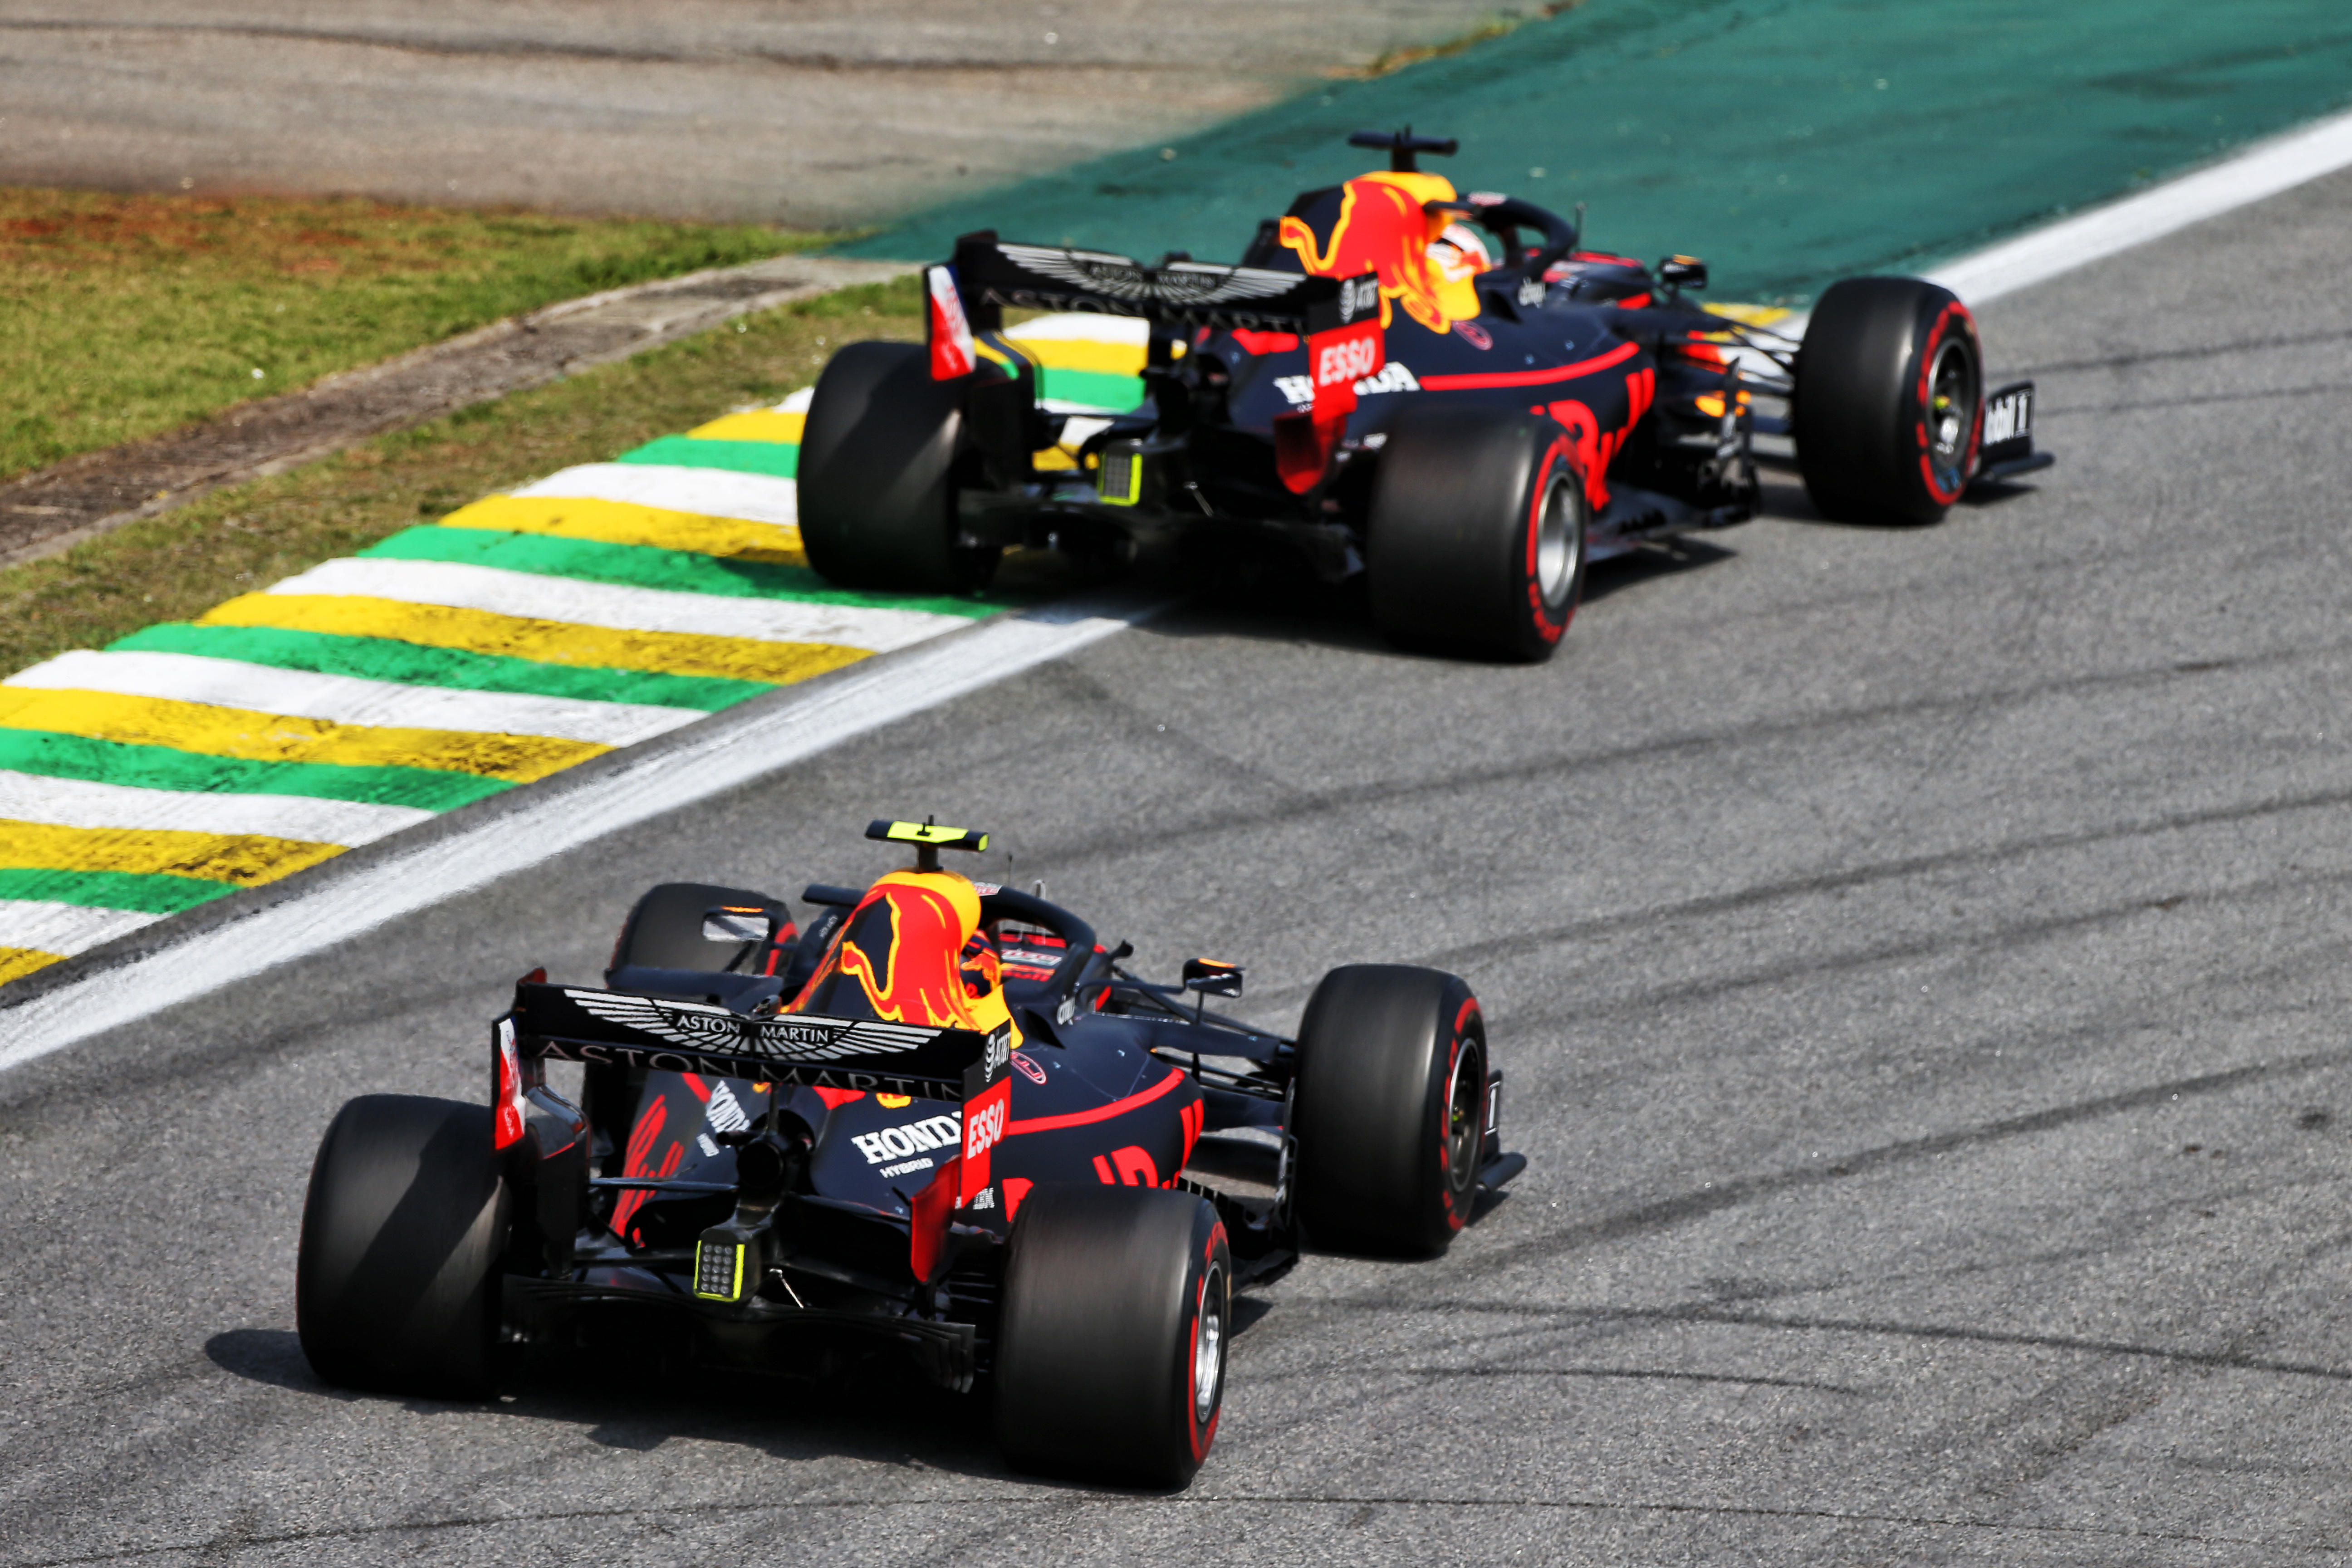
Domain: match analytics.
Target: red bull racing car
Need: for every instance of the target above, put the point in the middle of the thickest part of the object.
(943, 1121)
(1443, 393)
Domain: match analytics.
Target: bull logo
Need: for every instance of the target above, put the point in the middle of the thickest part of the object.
(904, 946)
(1383, 228)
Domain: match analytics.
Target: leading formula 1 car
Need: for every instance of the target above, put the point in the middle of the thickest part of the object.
(942, 1119)
(1443, 393)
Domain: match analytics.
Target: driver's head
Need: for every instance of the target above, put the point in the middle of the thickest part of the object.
(1460, 253)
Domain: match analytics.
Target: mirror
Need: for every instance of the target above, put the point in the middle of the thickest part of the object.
(731, 925)
(1211, 978)
(1683, 272)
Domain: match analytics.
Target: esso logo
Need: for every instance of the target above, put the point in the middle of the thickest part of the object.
(983, 1129)
(1349, 360)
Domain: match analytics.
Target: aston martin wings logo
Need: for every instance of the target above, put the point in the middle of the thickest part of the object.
(798, 1038)
(1179, 283)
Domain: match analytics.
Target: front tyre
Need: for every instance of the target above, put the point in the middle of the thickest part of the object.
(1889, 404)
(397, 1281)
(1476, 536)
(1388, 1115)
(1110, 1354)
(878, 506)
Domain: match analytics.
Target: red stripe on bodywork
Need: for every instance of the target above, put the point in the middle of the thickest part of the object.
(1100, 1112)
(1473, 382)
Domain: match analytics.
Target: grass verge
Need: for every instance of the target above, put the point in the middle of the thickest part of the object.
(122, 316)
(177, 565)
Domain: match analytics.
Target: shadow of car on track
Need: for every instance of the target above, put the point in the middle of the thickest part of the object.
(638, 1397)
(1286, 603)
(1785, 500)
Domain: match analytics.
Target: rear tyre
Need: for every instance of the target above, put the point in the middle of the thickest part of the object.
(1110, 1359)
(1388, 1111)
(396, 1282)
(877, 475)
(1477, 532)
(1889, 404)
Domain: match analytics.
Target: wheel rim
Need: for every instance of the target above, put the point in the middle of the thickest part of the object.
(1465, 1117)
(1951, 412)
(1560, 543)
(1208, 1348)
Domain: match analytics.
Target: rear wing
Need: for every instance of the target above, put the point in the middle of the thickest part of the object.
(1340, 317)
(991, 274)
(579, 1023)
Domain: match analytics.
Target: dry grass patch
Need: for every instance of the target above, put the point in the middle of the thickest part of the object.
(176, 567)
(123, 316)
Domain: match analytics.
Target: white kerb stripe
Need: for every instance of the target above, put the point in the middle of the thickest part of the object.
(66, 929)
(707, 492)
(624, 609)
(797, 402)
(1077, 327)
(349, 700)
(2263, 170)
(79, 803)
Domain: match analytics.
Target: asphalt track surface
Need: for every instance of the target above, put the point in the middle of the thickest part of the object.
(814, 114)
(1918, 957)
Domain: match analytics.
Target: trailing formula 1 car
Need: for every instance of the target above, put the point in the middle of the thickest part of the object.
(1443, 393)
(942, 1119)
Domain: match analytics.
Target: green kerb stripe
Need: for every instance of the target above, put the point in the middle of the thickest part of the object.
(159, 767)
(1100, 388)
(112, 889)
(779, 458)
(642, 566)
(383, 658)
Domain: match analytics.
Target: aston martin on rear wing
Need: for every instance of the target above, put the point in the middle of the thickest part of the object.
(582, 1024)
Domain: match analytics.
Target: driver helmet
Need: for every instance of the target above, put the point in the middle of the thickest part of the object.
(1460, 252)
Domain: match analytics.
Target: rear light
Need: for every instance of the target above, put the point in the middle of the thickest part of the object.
(718, 1266)
(506, 1104)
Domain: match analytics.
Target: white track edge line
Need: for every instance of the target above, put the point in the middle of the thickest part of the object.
(2260, 171)
(562, 820)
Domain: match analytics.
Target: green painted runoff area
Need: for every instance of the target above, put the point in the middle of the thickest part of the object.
(383, 658)
(1788, 143)
(167, 767)
(646, 566)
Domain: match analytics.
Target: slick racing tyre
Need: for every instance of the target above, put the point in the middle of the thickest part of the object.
(877, 475)
(1889, 404)
(1476, 533)
(1110, 1359)
(396, 1282)
(1388, 1112)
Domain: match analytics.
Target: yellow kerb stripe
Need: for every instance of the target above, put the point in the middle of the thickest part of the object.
(759, 424)
(282, 738)
(620, 522)
(15, 963)
(1062, 353)
(544, 642)
(245, 858)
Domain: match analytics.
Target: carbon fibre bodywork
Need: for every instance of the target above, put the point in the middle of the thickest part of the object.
(782, 1183)
(1266, 413)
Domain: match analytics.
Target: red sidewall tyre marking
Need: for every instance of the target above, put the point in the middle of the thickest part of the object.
(1921, 396)
(1547, 628)
(1201, 1436)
